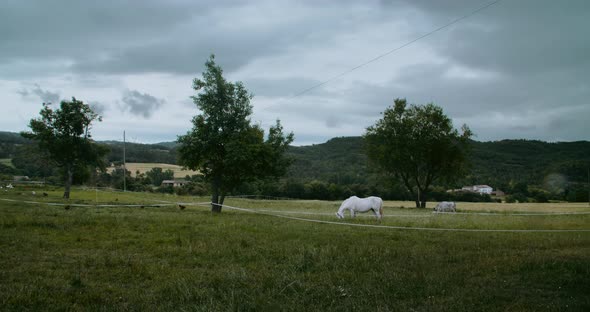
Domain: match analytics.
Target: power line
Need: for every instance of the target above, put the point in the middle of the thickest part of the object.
(396, 49)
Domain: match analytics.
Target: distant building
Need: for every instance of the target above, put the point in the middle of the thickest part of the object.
(174, 183)
(498, 193)
(481, 189)
(20, 178)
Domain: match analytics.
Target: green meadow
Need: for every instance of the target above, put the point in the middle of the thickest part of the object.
(278, 255)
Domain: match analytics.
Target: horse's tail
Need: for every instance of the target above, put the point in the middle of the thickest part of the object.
(381, 208)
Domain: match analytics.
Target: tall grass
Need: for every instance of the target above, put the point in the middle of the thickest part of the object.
(164, 258)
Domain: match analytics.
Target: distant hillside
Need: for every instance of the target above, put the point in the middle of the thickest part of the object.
(339, 160)
(532, 162)
(141, 153)
(12, 137)
(9, 142)
(500, 164)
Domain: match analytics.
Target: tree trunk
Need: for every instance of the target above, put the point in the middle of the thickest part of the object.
(424, 193)
(69, 178)
(421, 200)
(215, 204)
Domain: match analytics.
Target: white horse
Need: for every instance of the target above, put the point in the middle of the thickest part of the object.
(355, 204)
(445, 207)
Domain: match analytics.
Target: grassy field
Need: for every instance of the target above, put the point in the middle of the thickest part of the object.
(144, 167)
(165, 258)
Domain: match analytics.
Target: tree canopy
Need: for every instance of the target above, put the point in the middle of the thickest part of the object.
(64, 136)
(418, 145)
(223, 144)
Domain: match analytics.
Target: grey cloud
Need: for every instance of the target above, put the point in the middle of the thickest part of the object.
(44, 95)
(333, 122)
(98, 107)
(515, 37)
(169, 37)
(89, 25)
(277, 87)
(188, 102)
(140, 104)
(523, 128)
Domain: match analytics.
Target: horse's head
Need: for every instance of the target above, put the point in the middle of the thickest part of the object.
(340, 215)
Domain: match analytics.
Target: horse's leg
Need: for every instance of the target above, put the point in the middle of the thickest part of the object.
(379, 214)
(352, 214)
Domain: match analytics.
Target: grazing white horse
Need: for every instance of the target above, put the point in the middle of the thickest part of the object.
(355, 204)
(445, 207)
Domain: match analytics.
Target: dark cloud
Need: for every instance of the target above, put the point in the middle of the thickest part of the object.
(140, 104)
(44, 95)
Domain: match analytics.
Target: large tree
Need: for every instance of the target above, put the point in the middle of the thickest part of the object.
(223, 144)
(64, 134)
(419, 146)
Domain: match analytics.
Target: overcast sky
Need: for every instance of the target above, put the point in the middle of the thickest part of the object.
(517, 69)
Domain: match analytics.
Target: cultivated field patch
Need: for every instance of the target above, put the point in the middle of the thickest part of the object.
(179, 172)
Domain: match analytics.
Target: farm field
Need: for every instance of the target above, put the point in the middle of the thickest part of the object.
(286, 255)
(144, 167)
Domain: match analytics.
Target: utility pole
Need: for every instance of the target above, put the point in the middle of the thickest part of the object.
(124, 166)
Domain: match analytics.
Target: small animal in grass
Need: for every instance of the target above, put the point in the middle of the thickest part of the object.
(45, 194)
(181, 206)
(67, 207)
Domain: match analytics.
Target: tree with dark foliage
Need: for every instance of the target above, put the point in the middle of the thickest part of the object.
(418, 145)
(223, 144)
(64, 134)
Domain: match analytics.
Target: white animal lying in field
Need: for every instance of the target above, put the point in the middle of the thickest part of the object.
(355, 204)
(445, 207)
(9, 186)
